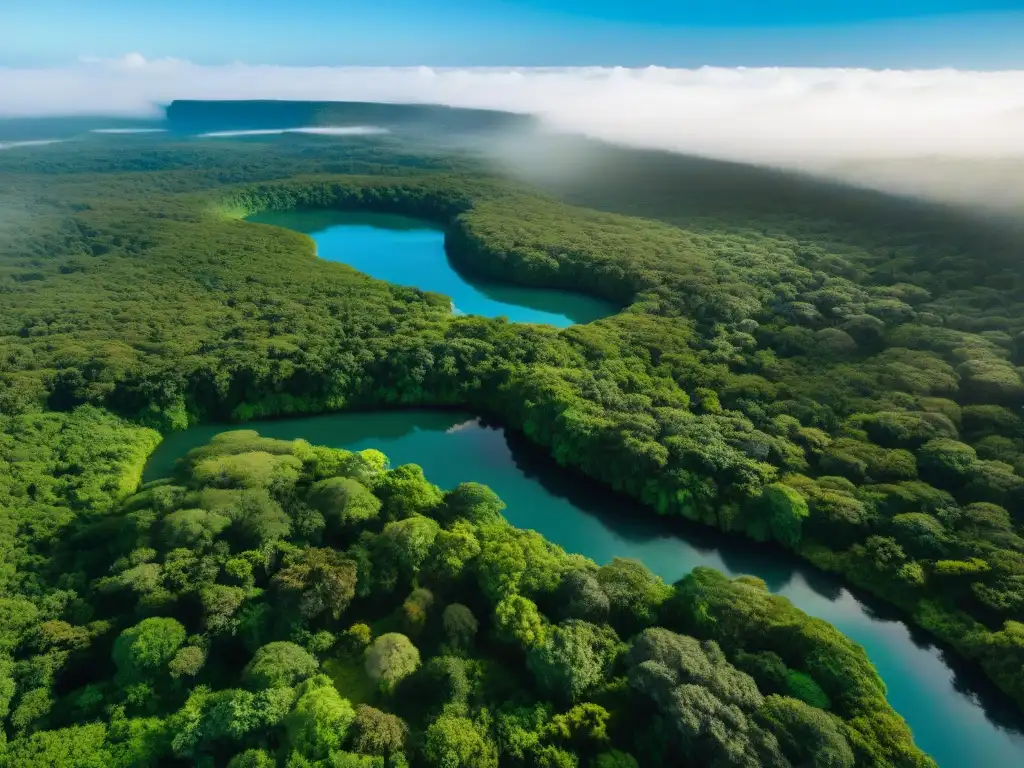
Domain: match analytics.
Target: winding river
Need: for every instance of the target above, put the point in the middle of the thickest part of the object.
(956, 715)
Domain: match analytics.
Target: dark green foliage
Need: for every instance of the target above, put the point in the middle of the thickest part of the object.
(581, 596)
(460, 626)
(571, 659)
(378, 733)
(807, 735)
(317, 580)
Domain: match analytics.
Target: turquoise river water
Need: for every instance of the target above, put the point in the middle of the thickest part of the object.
(956, 716)
(410, 252)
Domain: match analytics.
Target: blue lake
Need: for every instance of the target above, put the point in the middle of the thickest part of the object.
(411, 252)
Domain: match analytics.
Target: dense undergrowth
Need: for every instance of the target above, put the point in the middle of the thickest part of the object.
(278, 603)
(845, 385)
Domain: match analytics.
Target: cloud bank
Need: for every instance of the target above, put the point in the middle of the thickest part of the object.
(813, 119)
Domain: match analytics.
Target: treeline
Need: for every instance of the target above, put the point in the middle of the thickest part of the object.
(278, 603)
(852, 395)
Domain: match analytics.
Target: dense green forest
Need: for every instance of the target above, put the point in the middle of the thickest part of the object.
(278, 603)
(821, 368)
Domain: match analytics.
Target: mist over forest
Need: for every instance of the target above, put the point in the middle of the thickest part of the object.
(954, 136)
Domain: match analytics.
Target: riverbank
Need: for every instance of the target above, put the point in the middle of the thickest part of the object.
(956, 716)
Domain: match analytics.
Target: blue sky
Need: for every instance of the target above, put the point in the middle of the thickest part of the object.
(872, 33)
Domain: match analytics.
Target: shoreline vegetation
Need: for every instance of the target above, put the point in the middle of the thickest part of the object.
(847, 388)
(275, 600)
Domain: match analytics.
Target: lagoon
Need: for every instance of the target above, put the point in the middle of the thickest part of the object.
(956, 715)
(411, 252)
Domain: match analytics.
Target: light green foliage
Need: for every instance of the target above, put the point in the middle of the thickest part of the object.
(406, 492)
(278, 664)
(254, 469)
(79, 746)
(634, 593)
(220, 606)
(356, 638)
(187, 662)
(983, 516)
(994, 481)
(660, 660)
(517, 620)
(404, 545)
(391, 658)
(920, 535)
(209, 719)
(33, 707)
(353, 760)
(366, 466)
(862, 461)
(142, 652)
(258, 518)
(252, 758)
(320, 719)
(584, 727)
(474, 502)
(451, 552)
(55, 466)
(456, 742)
(344, 501)
(513, 561)
(7, 685)
(786, 510)
(945, 462)
(550, 756)
(192, 528)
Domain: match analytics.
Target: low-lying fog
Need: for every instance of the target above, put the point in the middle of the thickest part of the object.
(947, 134)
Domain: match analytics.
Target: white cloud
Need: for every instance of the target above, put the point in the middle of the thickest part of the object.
(814, 119)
